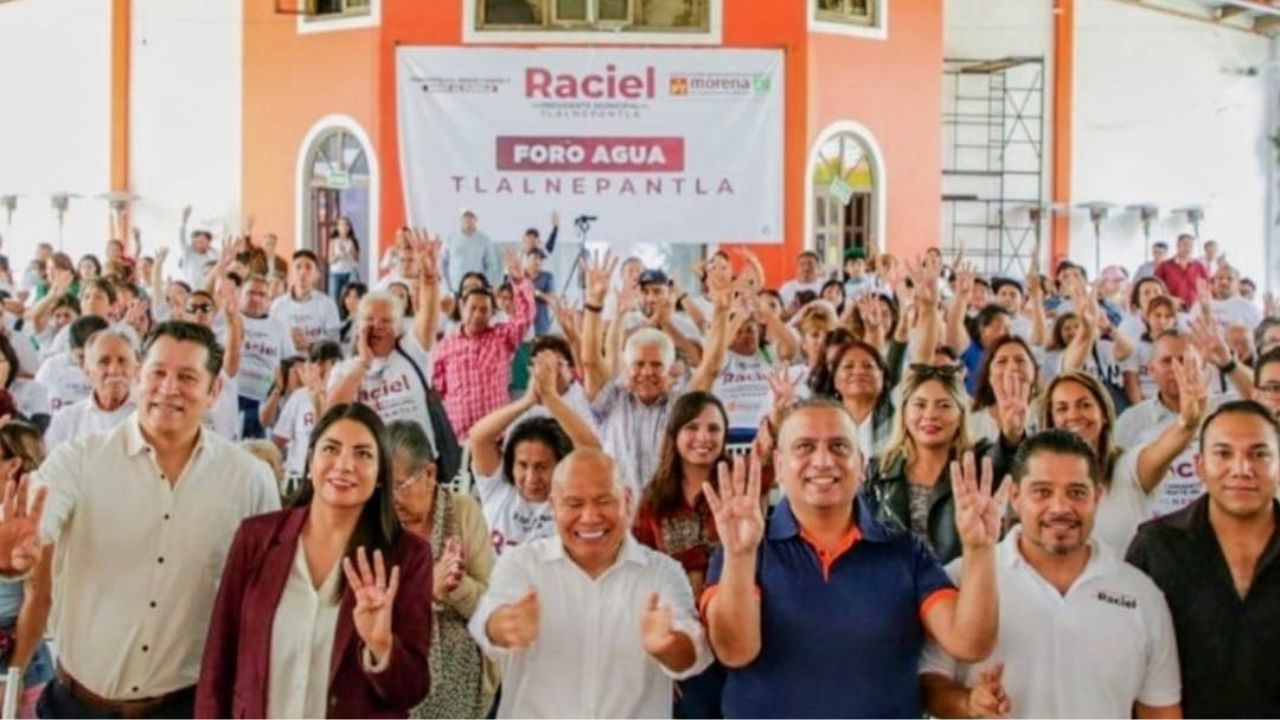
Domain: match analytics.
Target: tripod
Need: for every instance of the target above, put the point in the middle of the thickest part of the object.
(583, 227)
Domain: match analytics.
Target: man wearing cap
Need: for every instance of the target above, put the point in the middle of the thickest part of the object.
(658, 310)
(856, 279)
(469, 250)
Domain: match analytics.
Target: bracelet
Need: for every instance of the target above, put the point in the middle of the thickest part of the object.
(593, 308)
(1229, 367)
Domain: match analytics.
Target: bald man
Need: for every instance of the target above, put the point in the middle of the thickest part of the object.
(111, 366)
(588, 622)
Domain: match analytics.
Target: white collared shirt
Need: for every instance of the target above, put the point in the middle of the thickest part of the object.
(138, 558)
(588, 660)
(1092, 652)
(302, 643)
(82, 418)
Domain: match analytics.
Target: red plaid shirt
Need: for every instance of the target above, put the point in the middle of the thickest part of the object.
(472, 372)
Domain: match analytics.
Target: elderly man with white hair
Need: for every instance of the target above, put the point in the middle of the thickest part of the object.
(390, 371)
(631, 411)
(111, 365)
(589, 622)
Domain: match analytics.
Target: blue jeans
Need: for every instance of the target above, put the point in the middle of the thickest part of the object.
(252, 429)
(337, 283)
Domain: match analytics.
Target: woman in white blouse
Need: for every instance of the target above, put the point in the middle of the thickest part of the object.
(293, 635)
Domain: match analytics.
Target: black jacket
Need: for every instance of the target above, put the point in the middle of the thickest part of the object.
(885, 490)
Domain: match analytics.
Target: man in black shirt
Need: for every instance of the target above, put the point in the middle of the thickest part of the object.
(1216, 562)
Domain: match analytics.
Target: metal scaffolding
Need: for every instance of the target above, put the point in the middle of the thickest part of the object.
(993, 162)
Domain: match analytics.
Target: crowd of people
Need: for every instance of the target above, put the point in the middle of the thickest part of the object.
(244, 484)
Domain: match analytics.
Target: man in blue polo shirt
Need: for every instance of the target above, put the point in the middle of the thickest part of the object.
(824, 612)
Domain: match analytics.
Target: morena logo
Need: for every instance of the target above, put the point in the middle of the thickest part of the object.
(610, 85)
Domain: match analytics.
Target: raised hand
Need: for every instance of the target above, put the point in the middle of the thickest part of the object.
(186, 214)
(782, 387)
(739, 517)
(515, 626)
(598, 272)
(987, 698)
(1193, 396)
(19, 528)
(448, 571)
(657, 629)
(966, 279)
(364, 350)
(720, 286)
(1270, 305)
(1207, 336)
(515, 269)
(546, 373)
(426, 250)
(375, 593)
(1013, 399)
(978, 511)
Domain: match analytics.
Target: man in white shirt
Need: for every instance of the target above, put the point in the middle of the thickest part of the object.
(1227, 306)
(1082, 633)
(589, 622)
(808, 277)
(197, 252)
(142, 517)
(308, 315)
(111, 365)
(1213, 259)
(266, 343)
(658, 310)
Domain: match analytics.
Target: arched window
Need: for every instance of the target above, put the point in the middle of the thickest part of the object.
(336, 183)
(845, 190)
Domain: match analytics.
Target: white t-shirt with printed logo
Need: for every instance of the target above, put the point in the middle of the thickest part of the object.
(224, 416)
(511, 519)
(1235, 311)
(266, 343)
(63, 380)
(316, 316)
(743, 387)
(392, 387)
(1142, 424)
(297, 419)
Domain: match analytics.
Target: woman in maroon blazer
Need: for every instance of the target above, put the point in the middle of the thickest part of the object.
(295, 636)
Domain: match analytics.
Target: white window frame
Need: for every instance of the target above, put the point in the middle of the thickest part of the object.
(879, 175)
(607, 35)
(302, 186)
(879, 30)
(309, 25)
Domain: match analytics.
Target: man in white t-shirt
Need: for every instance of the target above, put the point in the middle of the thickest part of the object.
(657, 310)
(1081, 632)
(197, 252)
(62, 375)
(266, 344)
(202, 308)
(308, 315)
(1227, 306)
(808, 277)
(111, 364)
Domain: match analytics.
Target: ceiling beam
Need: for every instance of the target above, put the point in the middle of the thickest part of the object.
(1226, 12)
(1267, 24)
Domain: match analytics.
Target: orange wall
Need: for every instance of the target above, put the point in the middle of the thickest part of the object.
(293, 80)
(290, 82)
(894, 89)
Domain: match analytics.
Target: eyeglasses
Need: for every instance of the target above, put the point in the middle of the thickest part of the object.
(405, 484)
(1272, 389)
(200, 308)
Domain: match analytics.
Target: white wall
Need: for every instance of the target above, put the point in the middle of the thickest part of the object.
(55, 121)
(1158, 120)
(186, 106)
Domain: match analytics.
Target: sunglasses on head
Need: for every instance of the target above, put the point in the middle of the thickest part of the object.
(934, 372)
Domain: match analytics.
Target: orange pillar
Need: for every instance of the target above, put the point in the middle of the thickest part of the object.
(1063, 87)
(121, 22)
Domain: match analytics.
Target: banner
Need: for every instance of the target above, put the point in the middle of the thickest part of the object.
(669, 145)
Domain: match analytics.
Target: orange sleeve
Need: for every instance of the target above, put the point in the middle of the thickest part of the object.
(936, 597)
(708, 593)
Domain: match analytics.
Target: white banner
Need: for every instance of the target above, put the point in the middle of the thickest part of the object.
(678, 145)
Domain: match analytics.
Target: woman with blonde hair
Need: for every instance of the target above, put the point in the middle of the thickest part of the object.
(909, 485)
(1078, 402)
